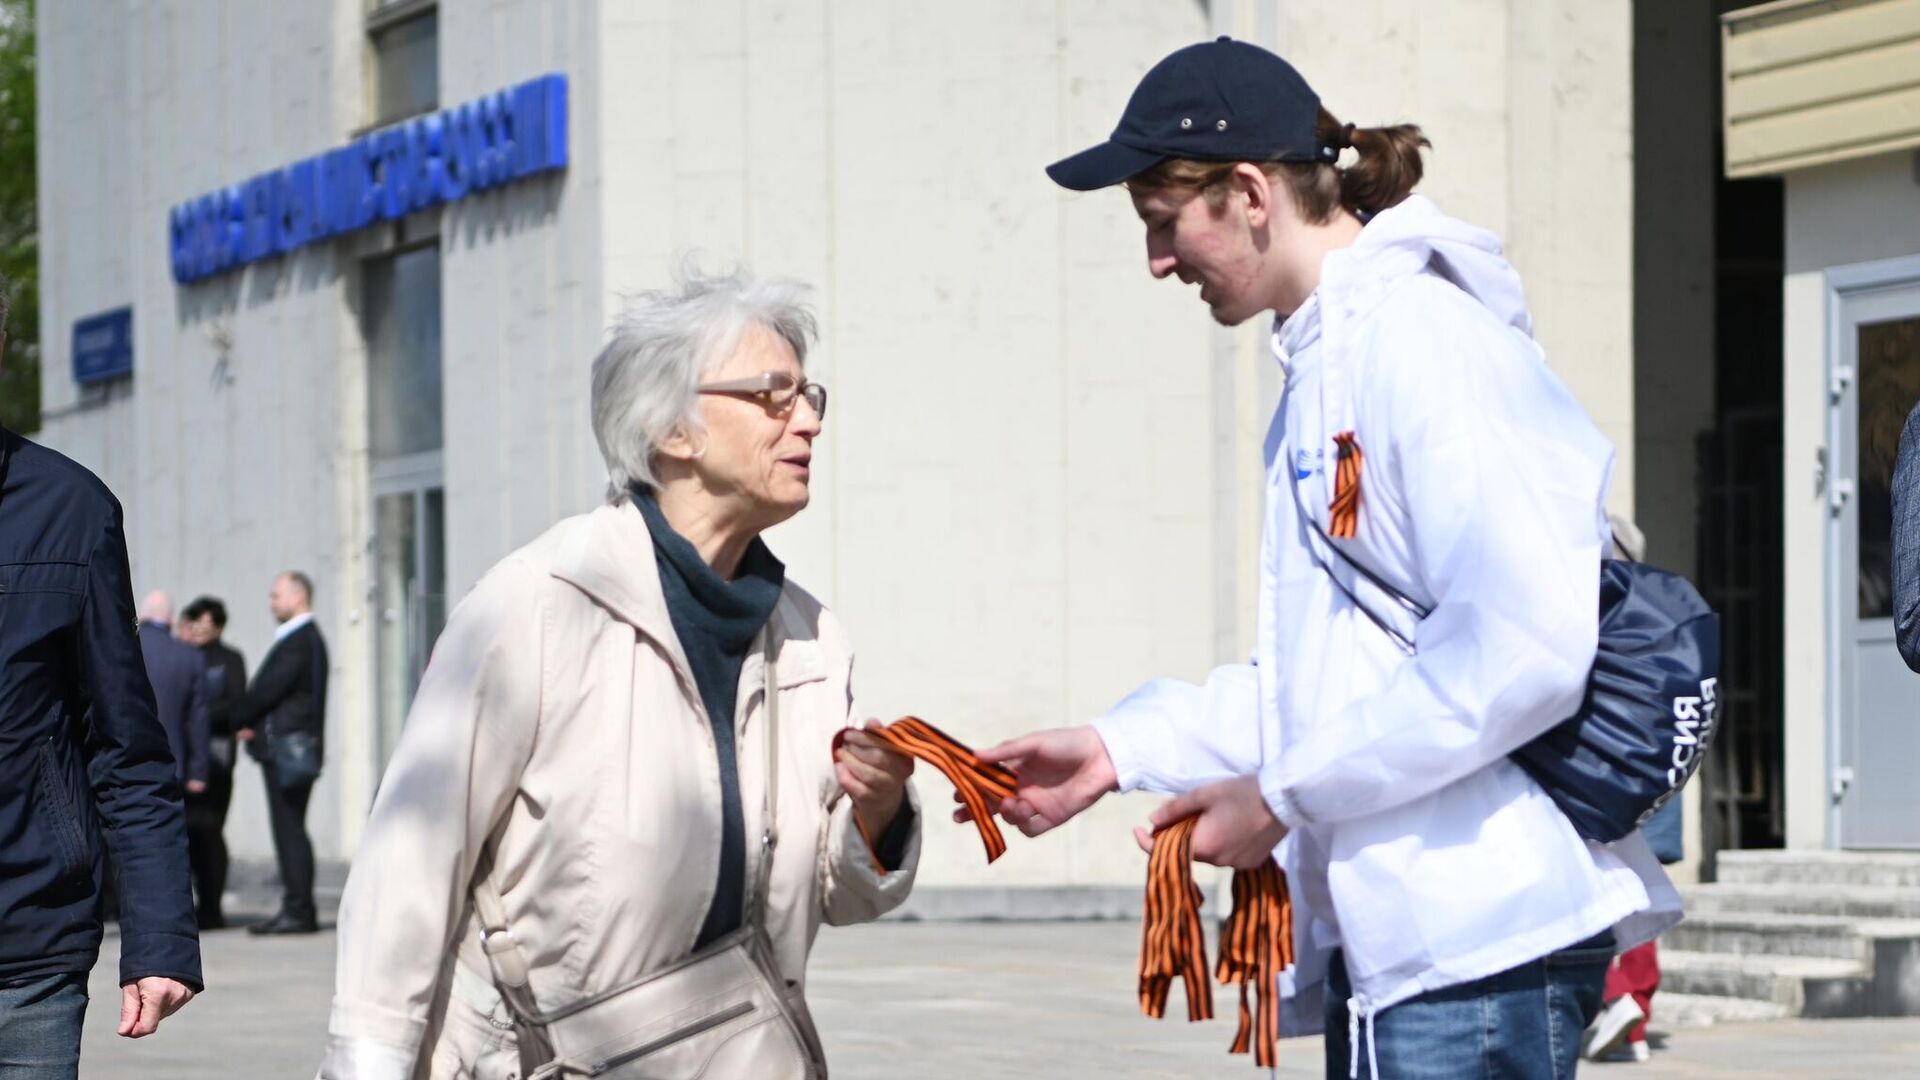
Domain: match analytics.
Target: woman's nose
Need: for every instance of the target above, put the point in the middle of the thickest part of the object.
(804, 420)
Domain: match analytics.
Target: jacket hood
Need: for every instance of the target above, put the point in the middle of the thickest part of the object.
(1414, 235)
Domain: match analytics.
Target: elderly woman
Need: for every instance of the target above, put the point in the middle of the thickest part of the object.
(617, 816)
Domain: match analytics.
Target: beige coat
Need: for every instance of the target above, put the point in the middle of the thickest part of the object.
(558, 723)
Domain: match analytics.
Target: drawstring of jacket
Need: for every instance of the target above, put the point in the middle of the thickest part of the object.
(1256, 942)
(1359, 1008)
(981, 787)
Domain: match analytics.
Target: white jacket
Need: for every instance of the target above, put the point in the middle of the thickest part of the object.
(557, 728)
(1415, 844)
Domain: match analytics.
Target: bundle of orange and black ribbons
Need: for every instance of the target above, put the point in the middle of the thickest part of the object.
(1256, 942)
(981, 787)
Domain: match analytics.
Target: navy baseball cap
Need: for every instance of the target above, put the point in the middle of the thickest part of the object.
(1221, 100)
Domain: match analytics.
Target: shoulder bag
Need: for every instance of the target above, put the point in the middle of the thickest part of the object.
(724, 1011)
(1651, 708)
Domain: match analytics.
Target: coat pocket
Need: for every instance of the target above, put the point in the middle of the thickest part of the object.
(62, 816)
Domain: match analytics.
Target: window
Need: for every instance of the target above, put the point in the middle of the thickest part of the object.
(403, 354)
(405, 35)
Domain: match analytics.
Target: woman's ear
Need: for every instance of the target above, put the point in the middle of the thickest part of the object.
(682, 446)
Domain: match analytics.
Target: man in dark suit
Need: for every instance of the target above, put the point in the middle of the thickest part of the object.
(201, 625)
(282, 719)
(178, 675)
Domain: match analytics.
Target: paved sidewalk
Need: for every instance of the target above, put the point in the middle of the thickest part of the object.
(934, 1000)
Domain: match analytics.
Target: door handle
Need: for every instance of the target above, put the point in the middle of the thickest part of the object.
(1842, 780)
(1837, 496)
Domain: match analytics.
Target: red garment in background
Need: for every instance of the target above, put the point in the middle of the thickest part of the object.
(1636, 972)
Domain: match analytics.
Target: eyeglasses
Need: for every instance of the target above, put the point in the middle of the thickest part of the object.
(778, 388)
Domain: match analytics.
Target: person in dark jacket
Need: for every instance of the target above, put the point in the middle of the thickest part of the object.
(178, 674)
(202, 625)
(282, 719)
(1906, 541)
(85, 773)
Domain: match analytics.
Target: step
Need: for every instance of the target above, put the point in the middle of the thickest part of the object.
(1803, 985)
(1672, 1010)
(1862, 901)
(1836, 868)
(1833, 937)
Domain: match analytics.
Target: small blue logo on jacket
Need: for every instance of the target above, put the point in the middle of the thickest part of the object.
(1307, 462)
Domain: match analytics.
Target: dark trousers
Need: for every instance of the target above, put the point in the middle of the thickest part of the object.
(207, 842)
(287, 813)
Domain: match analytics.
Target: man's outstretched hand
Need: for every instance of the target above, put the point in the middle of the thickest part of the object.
(145, 1003)
(1236, 827)
(1062, 772)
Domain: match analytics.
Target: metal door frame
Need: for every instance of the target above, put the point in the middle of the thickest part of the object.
(1844, 283)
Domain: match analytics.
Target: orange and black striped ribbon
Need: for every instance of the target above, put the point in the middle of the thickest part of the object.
(1343, 514)
(1172, 942)
(981, 787)
(1256, 942)
(1256, 945)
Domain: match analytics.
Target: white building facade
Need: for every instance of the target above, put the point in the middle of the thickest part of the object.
(1040, 482)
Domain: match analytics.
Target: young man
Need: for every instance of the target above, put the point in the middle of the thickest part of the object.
(1447, 912)
(204, 623)
(86, 776)
(285, 706)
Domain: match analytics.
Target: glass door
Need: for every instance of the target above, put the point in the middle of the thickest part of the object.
(410, 598)
(1876, 382)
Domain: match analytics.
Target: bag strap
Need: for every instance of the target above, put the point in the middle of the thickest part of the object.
(504, 955)
(1412, 606)
(756, 912)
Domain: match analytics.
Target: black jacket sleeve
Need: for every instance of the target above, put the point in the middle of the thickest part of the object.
(1906, 542)
(131, 769)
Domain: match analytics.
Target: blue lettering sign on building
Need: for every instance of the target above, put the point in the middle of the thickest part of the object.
(103, 346)
(385, 174)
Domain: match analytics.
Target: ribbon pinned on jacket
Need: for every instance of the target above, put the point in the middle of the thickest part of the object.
(1256, 942)
(1343, 514)
(980, 786)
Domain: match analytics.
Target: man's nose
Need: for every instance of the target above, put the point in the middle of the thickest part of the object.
(1161, 260)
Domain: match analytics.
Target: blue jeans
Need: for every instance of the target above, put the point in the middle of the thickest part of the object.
(40, 1027)
(1523, 1024)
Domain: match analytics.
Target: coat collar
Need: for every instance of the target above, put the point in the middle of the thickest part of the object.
(611, 560)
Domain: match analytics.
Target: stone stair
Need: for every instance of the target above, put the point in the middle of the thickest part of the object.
(1796, 933)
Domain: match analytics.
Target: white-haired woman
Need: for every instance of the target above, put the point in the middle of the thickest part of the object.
(594, 823)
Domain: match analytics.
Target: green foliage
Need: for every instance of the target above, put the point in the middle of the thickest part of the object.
(19, 235)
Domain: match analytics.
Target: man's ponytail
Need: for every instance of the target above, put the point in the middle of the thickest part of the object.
(1389, 162)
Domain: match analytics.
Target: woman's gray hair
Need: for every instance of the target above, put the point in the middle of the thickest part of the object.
(663, 344)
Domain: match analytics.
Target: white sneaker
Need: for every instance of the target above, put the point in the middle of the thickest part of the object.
(1630, 1053)
(1611, 1026)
